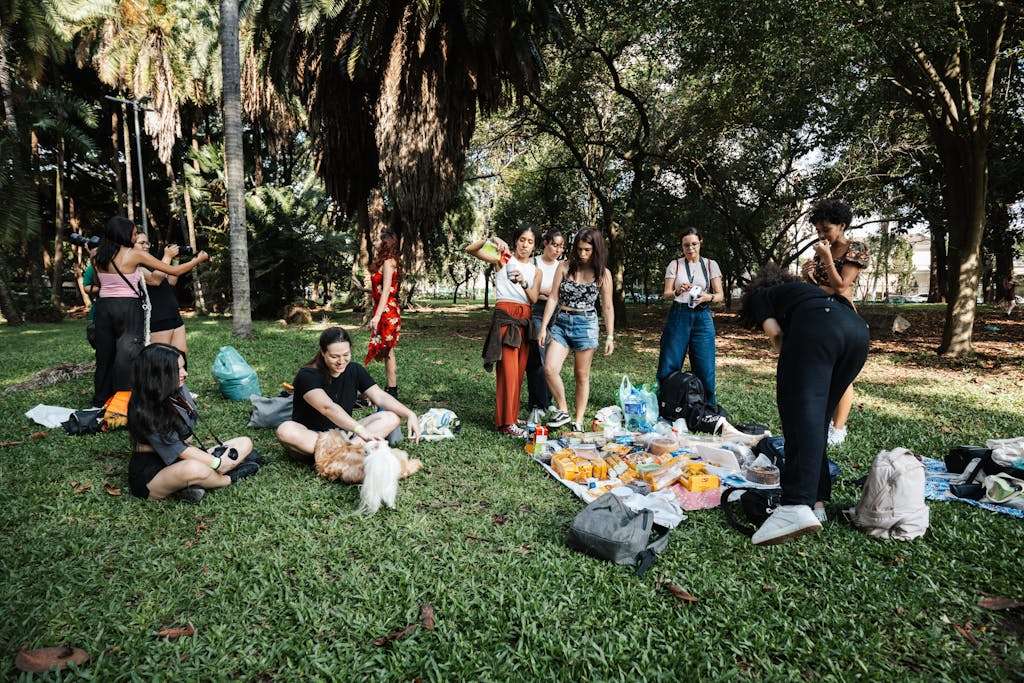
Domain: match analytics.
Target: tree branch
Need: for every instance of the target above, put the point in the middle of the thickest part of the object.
(985, 108)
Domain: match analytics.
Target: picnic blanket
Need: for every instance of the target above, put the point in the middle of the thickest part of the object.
(936, 487)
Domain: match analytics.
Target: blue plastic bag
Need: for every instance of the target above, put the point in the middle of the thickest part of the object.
(639, 405)
(236, 378)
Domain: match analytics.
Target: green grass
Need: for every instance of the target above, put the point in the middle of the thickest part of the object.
(282, 582)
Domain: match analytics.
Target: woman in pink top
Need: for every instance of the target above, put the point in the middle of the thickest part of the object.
(120, 309)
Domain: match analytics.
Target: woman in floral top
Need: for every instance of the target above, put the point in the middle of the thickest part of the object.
(385, 325)
(837, 263)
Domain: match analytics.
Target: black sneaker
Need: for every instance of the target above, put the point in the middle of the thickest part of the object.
(190, 494)
(246, 469)
(559, 418)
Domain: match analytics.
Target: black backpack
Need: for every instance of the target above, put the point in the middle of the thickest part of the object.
(679, 394)
(750, 509)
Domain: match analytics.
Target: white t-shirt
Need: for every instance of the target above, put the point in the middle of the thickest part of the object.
(676, 272)
(506, 290)
(547, 272)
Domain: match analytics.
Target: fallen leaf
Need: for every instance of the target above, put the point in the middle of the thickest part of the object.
(680, 593)
(385, 641)
(965, 631)
(522, 549)
(35, 436)
(111, 489)
(427, 616)
(49, 659)
(997, 602)
(4, 444)
(81, 486)
(499, 520)
(174, 632)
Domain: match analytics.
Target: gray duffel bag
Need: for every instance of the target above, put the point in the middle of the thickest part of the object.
(608, 530)
(269, 411)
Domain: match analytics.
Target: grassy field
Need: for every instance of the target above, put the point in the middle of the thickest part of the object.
(282, 582)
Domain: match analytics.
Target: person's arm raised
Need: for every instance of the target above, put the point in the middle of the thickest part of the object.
(147, 260)
(473, 249)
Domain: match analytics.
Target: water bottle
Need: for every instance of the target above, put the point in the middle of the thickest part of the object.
(633, 408)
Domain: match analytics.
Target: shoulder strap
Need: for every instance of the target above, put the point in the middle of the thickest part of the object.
(137, 292)
(704, 266)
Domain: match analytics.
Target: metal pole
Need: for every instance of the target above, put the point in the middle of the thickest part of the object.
(134, 104)
(138, 162)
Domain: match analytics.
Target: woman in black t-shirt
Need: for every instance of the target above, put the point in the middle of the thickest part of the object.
(325, 395)
(822, 345)
(161, 418)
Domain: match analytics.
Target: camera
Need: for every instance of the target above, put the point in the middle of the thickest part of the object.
(185, 251)
(225, 451)
(694, 294)
(80, 240)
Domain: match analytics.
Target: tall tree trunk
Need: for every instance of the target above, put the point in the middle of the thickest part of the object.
(5, 88)
(191, 223)
(58, 229)
(965, 172)
(129, 177)
(937, 268)
(359, 284)
(241, 308)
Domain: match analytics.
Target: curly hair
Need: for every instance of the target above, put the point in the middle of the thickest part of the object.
(831, 211)
(771, 274)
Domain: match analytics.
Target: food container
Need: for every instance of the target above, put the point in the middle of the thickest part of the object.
(662, 446)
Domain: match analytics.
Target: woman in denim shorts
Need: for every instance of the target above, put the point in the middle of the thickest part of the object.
(574, 292)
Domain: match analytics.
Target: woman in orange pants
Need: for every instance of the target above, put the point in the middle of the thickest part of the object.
(517, 286)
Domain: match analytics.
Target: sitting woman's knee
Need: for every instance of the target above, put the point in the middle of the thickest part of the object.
(284, 431)
(196, 471)
(243, 444)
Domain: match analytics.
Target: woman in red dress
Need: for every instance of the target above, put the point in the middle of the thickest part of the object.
(385, 324)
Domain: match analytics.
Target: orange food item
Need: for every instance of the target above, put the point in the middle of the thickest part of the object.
(698, 483)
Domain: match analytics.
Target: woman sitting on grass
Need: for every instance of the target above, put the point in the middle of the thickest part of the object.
(325, 395)
(161, 419)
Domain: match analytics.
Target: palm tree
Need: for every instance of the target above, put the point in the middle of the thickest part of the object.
(393, 89)
(234, 168)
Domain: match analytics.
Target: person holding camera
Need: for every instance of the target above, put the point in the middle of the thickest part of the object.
(162, 418)
(165, 323)
(507, 345)
(122, 305)
(692, 283)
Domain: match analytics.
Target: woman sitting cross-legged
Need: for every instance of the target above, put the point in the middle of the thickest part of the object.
(161, 419)
(325, 395)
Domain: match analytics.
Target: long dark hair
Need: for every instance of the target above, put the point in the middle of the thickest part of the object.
(771, 274)
(550, 234)
(154, 386)
(332, 335)
(518, 232)
(598, 255)
(116, 234)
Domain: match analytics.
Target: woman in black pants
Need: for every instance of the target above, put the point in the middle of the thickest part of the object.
(120, 309)
(822, 345)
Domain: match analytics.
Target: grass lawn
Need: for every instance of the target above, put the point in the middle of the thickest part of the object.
(282, 582)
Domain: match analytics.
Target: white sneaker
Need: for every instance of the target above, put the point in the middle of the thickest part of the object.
(836, 435)
(785, 523)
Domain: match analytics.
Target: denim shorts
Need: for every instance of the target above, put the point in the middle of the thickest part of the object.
(575, 331)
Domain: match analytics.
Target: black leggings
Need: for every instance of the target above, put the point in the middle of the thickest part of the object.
(536, 383)
(120, 325)
(823, 349)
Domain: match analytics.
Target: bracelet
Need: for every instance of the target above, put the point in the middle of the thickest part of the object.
(215, 464)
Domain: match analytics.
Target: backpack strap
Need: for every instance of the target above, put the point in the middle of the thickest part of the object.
(659, 541)
(704, 266)
(730, 511)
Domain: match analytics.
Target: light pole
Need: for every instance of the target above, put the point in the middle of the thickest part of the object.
(136, 105)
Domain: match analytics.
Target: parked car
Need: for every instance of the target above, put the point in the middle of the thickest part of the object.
(896, 299)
